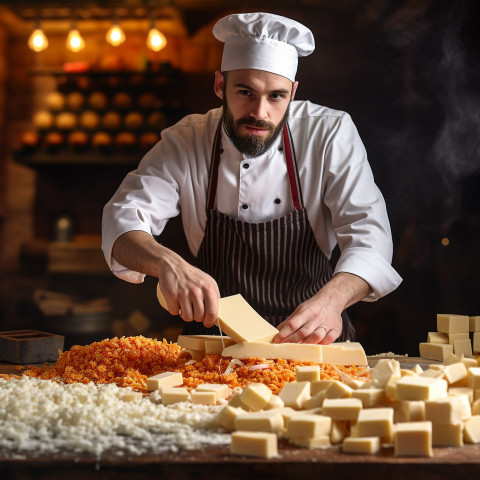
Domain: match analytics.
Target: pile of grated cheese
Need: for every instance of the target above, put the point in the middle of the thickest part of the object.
(39, 417)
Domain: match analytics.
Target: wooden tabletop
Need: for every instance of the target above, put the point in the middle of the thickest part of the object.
(214, 463)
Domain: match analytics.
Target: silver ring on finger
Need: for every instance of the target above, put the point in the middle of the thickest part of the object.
(324, 328)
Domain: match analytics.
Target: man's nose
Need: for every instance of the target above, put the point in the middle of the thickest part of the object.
(259, 109)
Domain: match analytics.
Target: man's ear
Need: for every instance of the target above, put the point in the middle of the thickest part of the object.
(219, 84)
(294, 89)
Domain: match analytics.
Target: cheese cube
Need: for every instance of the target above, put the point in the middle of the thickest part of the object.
(474, 378)
(474, 323)
(405, 372)
(448, 410)
(308, 426)
(316, 401)
(454, 373)
(227, 415)
(437, 337)
(194, 354)
(339, 431)
(235, 399)
(254, 444)
(476, 407)
(463, 347)
(172, 395)
(383, 370)
(462, 391)
(295, 394)
(274, 402)
(338, 390)
(317, 442)
(421, 388)
(412, 410)
(361, 445)
(355, 384)
(445, 435)
(476, 342)
(256, 396)
(370, 397)
(342, 408)
(221, 390)
(417, 369)
(307, 373)
(166, 379)
(453, 337)
(471, 432)
(132, 397)
(453, 323)
(413, 439)
(195, 342)
(319, 385)
(391, 387)
(376, 422)
(344, 353)
(469, 362)
(216, 346)
(289, 413)
(270, 421)
(204, 398)
(432, 373)
(435, 351)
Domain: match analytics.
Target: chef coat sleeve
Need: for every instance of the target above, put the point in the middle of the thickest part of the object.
(358, 212)
(145, 200)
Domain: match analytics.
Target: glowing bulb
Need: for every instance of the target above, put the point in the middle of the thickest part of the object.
(75, 42)
(445, 242)
(156, 40)
(37, 40)
(115, 36)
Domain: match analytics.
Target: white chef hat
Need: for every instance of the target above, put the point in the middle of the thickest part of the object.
(263, 41)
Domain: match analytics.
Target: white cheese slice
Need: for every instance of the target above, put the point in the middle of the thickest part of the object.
(254, 444)
(344, 353)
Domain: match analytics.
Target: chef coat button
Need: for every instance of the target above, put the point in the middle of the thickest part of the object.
(280, 148)
(277, 201)
(221, 150)
(246, 165)
(244, 206)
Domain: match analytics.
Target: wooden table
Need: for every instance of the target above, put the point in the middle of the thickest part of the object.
(216, 463)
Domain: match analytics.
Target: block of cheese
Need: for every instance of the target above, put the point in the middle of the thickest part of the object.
(383, 370)
(435, 351)
(455, 373)
(471, 432)
(417, 369)
(241, 322)
(476, 407)
(376, 422)
(255, 396)
(447, 410)
(195, 354)
(355, 384)
(344, 353)
(361, 445)
(318, 442)
(432, 372)
(195, 342)
(274, 402)
(308, 426)
(407, 372)
(370, 397)
(295, 394)
(339, 431)
(227, 415)
(437, 337)
(413, 439)
(319, 385)
(289, 351)
(412, 410)
(269, 421)
(475, 323)
(204, 398)
(215, 346)
(476, 342)
(342, 408)
(307, 373)
(421, 388)
(468, 392)
(338, 389)
(315, 401)
(453, 323)
(235, 399)
(254, 444)
(166, 379)
(132, 397)
(445, 435)
(391, 387)
(221, 390)
(172, 395)
(463, 348)
(452, 337)
(474, 378)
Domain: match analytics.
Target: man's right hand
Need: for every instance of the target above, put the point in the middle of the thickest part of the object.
(187, 289)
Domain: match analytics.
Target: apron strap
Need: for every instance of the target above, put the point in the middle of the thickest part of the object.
(292, 169)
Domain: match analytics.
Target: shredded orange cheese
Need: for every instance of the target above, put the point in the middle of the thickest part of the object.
(128, 361)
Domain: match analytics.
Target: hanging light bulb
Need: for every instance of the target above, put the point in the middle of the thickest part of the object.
(37, 40)
(115, 35)
(156, 40)
(75, 42)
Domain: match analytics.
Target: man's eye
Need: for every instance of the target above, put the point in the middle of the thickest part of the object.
(277, 96)
(244, 92)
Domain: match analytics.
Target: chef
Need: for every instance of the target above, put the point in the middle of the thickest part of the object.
(266, 187)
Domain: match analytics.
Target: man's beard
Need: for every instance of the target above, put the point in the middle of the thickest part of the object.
(251, 145)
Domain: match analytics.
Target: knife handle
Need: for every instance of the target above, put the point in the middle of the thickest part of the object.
(161, 298)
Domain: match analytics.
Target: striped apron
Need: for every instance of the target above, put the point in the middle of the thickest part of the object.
(275, 265)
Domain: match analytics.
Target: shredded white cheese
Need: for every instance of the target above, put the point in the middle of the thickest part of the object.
(41, 417)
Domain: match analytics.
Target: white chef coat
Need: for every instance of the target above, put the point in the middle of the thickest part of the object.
(343, 203)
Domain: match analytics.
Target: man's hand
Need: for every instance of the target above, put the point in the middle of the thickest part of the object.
(318, 319)
(187, 290)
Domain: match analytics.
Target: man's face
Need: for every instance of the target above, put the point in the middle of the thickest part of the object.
(256, 106)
